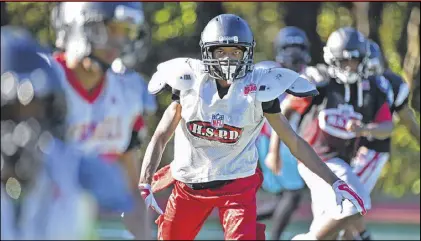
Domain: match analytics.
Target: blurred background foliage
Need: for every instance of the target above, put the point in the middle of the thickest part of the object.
(176, 26)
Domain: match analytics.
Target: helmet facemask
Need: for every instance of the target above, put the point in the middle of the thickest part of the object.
(344, 74)
(226, 68)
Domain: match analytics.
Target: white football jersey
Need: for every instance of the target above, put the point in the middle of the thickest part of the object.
(215, 139)
(102, 121)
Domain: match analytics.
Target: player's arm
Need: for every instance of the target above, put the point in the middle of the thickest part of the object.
(295, 105)
(305, 153)
(405, 113)
(300, 148)
(159, 140)
(291, 105)
(272, 159)
(381, 128)
(177, 75)
(408, 119)
(130, 158)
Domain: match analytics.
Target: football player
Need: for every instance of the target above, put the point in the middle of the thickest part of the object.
(373, 153)
(42, 178)
(105, 100)
(220, 105)
(333, 122)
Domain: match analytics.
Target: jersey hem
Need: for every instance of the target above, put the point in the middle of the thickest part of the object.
(212, 178)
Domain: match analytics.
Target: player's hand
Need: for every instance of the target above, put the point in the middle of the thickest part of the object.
(343, 191)
(147, 195)
(357, 127)
(274, 163)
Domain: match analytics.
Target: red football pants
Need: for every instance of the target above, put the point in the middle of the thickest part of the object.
(188, 209)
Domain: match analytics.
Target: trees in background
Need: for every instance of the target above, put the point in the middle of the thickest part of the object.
(175, 31)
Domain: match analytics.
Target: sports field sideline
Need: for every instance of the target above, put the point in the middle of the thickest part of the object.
(387, 221)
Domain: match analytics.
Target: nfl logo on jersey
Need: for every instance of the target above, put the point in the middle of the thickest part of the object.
(217, 121)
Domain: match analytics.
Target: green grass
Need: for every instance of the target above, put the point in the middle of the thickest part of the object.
(212, 231)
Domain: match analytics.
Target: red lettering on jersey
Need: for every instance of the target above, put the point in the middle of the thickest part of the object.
(204, 130)
(334, 121)
(250, 89)
(109, 129)
(338, 121)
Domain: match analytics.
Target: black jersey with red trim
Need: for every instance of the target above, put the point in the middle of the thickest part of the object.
(324, 117)
(398, 96)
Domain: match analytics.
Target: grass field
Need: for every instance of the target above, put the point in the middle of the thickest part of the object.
(212, 231)
(387, 220)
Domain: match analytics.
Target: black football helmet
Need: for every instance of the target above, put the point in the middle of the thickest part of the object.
(375, 64)
(223, 31)
(82, 26)
(292, 48)
(344, 44)
(33, 107)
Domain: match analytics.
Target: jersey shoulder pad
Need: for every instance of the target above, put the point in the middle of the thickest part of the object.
(394, 79)
(179, 73)
(318, 75)
(383, 85)
(273, 82)
(401, 89)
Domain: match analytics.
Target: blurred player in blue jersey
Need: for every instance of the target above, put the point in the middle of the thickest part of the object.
(48, 189)
(99, 45)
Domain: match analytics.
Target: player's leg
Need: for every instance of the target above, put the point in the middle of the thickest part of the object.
(367, 165)
(288, 203)
(331, 222)
(237, 209)
(137, 221)
(184, 215)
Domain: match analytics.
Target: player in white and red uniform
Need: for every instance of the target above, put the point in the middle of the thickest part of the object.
(44, 181)
(220, 105)
(374, 153)
(106, 110)
(334, 121)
